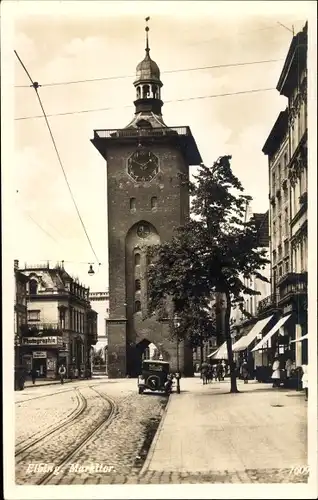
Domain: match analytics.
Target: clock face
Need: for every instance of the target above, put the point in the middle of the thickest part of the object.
(143, 165)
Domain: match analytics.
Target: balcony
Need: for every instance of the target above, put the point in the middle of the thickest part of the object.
(266, 304)
(293, 287)
(181, 135)
(141, 132)
(40, 329)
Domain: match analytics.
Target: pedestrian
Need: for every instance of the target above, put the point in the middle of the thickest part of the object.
(244, 371)
(76, 372)
(62, 372)
(276, 372)
(224, 369)
(219, 370)
(288, 367)
(70, 374)
(33, 375)
(304, 381)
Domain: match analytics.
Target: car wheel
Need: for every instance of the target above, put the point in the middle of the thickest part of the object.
(140, 390)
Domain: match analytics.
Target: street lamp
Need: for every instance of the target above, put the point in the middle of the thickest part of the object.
(177, 325)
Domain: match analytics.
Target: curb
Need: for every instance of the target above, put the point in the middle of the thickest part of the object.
(155, 439)
(56, 382)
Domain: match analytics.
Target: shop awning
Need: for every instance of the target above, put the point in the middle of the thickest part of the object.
(304, 337)
(245, 341)
(275, 328)
(220, 353)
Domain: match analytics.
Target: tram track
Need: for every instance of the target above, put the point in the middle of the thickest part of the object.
(80, 408)
(102, 424)
(46, 395)
(56, 447)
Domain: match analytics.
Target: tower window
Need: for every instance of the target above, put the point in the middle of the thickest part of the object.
(138, 93)
(155, 91)
(137, 285)
(145, 91)
(33, 287)
(132, 204)
(137, 306)
(154, 203)
(137, 259)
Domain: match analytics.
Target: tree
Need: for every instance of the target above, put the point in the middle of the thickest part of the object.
(212, 253)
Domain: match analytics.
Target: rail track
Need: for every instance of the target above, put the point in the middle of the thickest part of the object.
(80, 408)
(29, 447)
(103, 423)
(45, 395)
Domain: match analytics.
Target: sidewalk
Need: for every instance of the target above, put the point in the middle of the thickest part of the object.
(232, 437)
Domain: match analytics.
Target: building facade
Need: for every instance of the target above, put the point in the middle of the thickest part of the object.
(146, 201)
(244, 324)
(286, 148)
(20, 310)
(61, 325)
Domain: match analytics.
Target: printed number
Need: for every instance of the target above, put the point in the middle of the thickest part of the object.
(300, 470)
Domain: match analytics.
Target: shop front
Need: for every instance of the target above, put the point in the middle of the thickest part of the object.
(42, 355)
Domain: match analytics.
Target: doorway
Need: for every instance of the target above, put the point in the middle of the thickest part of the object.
(40, 366)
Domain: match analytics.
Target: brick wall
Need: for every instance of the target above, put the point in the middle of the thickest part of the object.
(171, 210)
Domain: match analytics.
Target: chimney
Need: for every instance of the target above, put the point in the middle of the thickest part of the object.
(16, 265)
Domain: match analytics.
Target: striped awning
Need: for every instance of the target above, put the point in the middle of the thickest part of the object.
(275, 328)
(245, 341)
(220, 353)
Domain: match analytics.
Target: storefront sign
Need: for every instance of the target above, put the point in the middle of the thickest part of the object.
(39, 354)
(47, 341)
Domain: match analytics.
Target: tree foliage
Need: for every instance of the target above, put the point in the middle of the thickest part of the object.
(212, 253)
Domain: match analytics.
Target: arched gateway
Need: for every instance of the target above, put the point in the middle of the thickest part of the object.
(146, 201)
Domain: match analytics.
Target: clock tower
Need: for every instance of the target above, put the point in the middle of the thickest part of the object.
(146, 202)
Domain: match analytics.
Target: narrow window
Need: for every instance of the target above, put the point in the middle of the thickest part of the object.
(137, 259)
(33, 287)
(137, 306)
(154, 203)
(137, 285)
(132, 204)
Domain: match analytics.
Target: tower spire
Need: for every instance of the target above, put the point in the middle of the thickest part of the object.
(147, 38)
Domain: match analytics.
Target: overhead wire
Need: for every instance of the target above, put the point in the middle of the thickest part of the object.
(217, 66)
(35, 85)
(94, 110)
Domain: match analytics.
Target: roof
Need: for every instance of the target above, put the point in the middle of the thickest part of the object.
(262, 227)
(156, 361)
(295, 62)
(277, 134)
(147, 70)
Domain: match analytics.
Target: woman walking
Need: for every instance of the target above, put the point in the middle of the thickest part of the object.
(304, 381)
(244, 371)
(276, 372)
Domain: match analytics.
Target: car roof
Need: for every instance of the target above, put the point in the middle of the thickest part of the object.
(156, 361)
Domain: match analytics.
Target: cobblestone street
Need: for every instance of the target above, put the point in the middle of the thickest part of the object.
(118, 448)
(206, 435)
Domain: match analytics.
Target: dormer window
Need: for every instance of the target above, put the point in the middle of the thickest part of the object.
(33, 287)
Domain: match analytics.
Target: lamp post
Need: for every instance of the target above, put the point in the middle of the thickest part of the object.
(177, 325)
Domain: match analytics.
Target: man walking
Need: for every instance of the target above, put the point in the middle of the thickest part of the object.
(33, 375)
(62, 372)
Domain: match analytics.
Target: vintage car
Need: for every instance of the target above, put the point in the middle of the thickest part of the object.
(155, 376)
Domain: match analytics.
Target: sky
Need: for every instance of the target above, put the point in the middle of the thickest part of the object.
(69, 44)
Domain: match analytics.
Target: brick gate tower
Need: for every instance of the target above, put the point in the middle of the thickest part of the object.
(146, 201)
